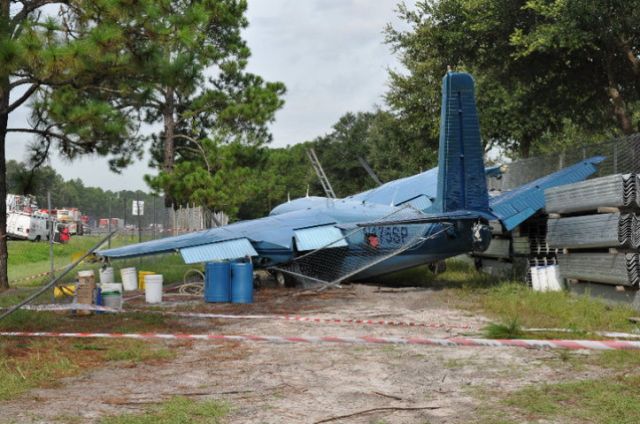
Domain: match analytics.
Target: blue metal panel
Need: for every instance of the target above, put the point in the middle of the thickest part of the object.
(224, 250)
(421, 203)
(399, 191)
(317, 237)
(515, 206)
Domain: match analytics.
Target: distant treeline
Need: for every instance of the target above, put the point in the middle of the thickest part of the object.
(91, 201)
(255, 179)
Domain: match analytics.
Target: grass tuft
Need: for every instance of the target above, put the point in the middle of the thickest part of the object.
(178, 410)
(510, 330)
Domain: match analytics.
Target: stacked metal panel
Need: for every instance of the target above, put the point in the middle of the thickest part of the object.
(498, 248)
(619, 191)
(598, 247)
(593, 231)
(619, 269)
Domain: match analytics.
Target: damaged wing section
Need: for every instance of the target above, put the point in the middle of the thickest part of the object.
(220, 251)
(326, 236)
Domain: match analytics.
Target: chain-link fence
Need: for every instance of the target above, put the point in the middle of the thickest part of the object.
(621, 155)
(33, 259)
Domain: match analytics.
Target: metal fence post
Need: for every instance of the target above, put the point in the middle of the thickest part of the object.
(109, 225)
(51, 236)
(154, 217)
(139, 217)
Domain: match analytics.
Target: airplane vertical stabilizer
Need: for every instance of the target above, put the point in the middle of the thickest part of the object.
(461, 174)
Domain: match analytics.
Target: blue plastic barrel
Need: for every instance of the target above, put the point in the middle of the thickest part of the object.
(242, 282)
(217, 287)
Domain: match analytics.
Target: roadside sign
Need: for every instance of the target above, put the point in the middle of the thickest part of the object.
(138, 208)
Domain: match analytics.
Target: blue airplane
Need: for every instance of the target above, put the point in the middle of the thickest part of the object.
(405, 223)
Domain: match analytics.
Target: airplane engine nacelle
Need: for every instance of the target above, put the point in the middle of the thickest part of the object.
(481, 237)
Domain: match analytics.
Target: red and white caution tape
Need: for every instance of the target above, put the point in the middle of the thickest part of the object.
(70, 307)
(315, 320)
(452, 342)
(610, 334)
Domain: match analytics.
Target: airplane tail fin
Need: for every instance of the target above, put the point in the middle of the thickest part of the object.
(461, 175)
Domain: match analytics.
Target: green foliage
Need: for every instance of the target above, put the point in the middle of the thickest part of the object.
(177, 410)
(205, 115)
(543, 68)
(510, 330)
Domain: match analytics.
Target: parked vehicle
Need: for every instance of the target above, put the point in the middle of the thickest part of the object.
(24, 226)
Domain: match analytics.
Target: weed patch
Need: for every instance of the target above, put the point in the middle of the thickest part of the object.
(507, 302)
(27, 363)
(178, 410)
(606, 400)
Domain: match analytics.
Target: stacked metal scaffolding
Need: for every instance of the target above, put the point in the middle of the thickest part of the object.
(618, 191)
(600, 238)
(593, 231)
(621, 269)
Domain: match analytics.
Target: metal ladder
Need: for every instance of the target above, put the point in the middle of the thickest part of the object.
(324, 181)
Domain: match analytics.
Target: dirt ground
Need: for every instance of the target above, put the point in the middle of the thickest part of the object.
(307, 383)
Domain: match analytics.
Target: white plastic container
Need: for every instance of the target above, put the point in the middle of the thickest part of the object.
(85, 274)
(106, 275)
(111, 287)
(112, 300)
(153, 288)
(553, 278)
(129, 279)
(535, 280)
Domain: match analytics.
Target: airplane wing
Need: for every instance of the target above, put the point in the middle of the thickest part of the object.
(515, 206)
(238, 240)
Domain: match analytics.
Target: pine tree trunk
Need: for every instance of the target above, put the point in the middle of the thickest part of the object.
(525, 147)
(169, 144)
(4, 104)
(619, 107)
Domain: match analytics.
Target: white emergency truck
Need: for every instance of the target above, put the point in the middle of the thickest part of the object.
(24, 226)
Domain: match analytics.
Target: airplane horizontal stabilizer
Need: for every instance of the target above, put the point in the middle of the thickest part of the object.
(515, 206)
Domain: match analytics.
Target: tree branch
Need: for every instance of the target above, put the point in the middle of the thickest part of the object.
(197, 143)
(21, 100)
(28, 7)
(43, 133)
(21, 81)
(631, 56)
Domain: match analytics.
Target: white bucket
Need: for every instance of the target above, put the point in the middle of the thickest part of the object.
(111, 287)
(106, 275)
(153, 288)
(129, 279)
(112, 300)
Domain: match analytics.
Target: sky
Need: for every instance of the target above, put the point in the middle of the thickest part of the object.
(329, 53)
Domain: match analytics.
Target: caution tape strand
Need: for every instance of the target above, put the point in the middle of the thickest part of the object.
(450, 342)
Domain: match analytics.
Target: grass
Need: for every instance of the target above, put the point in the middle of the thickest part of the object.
(27, 363)
(29, 258)
(511, 302)
(178, 410)
(613, 399)
(511, 330)
(513, 306)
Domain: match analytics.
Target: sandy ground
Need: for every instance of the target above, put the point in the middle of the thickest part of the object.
(301, 383)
